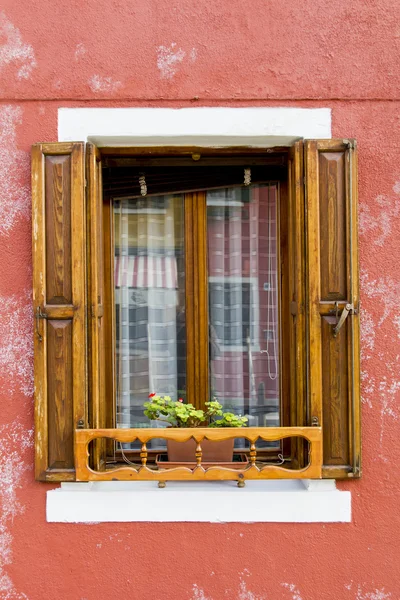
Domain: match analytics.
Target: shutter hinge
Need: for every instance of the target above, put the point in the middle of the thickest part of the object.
(351, 144)
(39, 315)
(314, 422)
(97, 314)
(80, 424)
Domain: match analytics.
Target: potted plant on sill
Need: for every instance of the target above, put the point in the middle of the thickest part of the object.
(179, 414)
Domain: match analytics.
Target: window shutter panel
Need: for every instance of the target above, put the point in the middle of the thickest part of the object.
(97, 380)
(332, 287)
(59, 301)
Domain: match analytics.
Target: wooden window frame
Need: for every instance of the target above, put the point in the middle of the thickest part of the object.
(196, 279)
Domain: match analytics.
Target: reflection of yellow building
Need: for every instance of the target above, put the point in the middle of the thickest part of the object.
(152, 224)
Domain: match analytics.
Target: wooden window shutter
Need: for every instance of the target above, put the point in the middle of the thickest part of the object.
(59, 302)
(96, 294)
(333, 302)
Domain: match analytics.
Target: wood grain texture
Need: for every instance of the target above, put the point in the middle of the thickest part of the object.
(95, 250)
(58, 229)
(59, 362)
(295, 311)
(196, 298)
(252, 471)
(332, 263)
(109, 315)
(59, 291)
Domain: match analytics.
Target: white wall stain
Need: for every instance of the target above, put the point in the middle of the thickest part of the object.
(385, 294)
(169, 59)
(389, 388)
(14, 441)
(367, 333)
(14, 50)
(14, 168)
(374, 595)
(16, 345)
(98, 83)
(293, 590)
(199, 594)
(242, 594)
(80, 51)
(245, 594)
(380, 223)
(193, 55)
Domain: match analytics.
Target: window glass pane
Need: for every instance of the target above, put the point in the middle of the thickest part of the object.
(149, 303)
(243, 301)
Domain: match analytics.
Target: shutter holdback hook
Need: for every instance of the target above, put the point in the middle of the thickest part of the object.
(348, 309)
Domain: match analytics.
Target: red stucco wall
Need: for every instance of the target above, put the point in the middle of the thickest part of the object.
(344, 55)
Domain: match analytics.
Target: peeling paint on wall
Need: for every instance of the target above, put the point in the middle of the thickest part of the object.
(16, 345)
(385, 292)
(294, 591)
(97, 83)
(198, 593)
(169, 59)
(14, 441)
(380, 220)
(246, 594)
(14, 50)
(374, 595)
(14, 164)
(80, 51)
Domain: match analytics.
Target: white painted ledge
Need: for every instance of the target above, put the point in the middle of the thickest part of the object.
(200, 126)
(287, 501)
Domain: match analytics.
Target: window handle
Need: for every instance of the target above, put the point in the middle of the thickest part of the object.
(349, 308)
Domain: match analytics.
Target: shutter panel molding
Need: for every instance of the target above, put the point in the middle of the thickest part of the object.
(332, 287)
(59, 303)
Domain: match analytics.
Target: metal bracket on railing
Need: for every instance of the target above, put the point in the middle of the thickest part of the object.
(348, 309)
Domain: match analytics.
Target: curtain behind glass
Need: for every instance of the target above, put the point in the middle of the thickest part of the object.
(243, 301)
(150, 309)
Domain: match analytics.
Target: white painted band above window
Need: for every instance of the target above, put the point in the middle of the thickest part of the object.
(220, 126)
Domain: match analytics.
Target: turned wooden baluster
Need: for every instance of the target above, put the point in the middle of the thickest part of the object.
(143, 454)
(253, 454)
(199, 454)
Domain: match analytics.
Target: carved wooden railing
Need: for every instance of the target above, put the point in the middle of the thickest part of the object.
(254, 469)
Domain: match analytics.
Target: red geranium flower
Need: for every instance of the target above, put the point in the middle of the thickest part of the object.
(180, 399)
(152, 395)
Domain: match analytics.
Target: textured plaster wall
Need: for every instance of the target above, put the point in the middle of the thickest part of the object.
(343, 55)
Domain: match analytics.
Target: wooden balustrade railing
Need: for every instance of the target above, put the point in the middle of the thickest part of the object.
(254, 469)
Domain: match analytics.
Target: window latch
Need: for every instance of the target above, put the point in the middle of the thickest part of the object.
(39, 315)
(349, 308)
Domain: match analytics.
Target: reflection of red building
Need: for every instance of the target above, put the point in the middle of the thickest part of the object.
(243, 305)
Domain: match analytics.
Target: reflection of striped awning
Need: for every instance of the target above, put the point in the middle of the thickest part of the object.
(146, 272)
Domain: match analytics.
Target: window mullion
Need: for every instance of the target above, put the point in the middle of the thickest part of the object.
(196, 299)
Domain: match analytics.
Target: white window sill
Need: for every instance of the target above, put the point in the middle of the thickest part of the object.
(273, 501)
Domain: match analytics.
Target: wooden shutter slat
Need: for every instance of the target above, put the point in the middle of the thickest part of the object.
(332, 276)
(59, 298)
